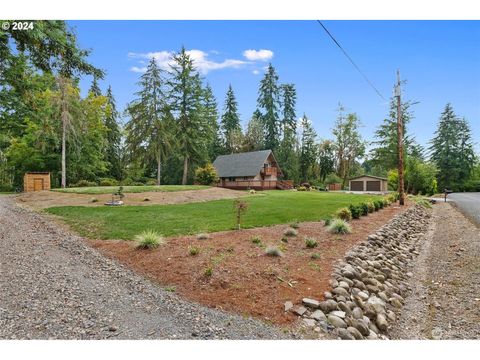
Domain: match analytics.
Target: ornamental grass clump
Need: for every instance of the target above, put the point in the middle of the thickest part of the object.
(310, 243)
(339, 226)
(273, 251)
(202, 236)
(290, 232)
(193, 250)
(344, 214)
(149, 239)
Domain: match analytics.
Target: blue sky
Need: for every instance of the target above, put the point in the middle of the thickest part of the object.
(439, 59)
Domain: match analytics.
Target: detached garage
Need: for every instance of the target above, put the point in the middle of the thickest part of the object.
(368, 183)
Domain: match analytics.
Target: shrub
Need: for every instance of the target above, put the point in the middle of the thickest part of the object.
(376, 205)
(339, 226)
(6, 188)
(137, 183)
(364, 209)
(202, 236)
(371, 207)
(327, 221)
(290, 232)
(206, 175)
(273, 251)
(310, 243)
(295, 225)
(108, 182)
(301, 188)
(208, 271)
(284, 239)
(149, 239)
(151, 182)
(344, 214)
(252, 192)
(193, 250)
(240, 207)
(315, 256)
(355, 210)
(257, 240)
(93, 200)
(84, 183)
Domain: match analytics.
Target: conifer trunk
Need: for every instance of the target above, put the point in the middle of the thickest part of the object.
(159, 170)
(185, 170)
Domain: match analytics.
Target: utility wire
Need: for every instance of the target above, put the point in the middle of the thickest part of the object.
(350, 59)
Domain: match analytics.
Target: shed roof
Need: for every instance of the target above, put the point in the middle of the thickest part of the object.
(369, 176)
(242, 164)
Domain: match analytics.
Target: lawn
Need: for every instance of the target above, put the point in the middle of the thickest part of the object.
(130, 189)
(268, 208)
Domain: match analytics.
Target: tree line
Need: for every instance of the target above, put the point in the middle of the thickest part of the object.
(174, 126)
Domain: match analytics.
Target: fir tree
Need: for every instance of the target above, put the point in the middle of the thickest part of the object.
(452, 150)
(211, 116)
(230, 123)
(150, 130)
(113, 138)
(95, 89)
(308, 151)
(254, 137)
(268, 101)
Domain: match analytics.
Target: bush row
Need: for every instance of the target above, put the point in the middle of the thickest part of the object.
(114, 182)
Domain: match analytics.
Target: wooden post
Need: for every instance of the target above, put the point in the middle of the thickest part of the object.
(400, 140)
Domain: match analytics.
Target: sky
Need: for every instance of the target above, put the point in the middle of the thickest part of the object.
(440, 61)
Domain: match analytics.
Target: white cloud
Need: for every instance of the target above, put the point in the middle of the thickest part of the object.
(258, 55)
(199, 57)
(256, 72)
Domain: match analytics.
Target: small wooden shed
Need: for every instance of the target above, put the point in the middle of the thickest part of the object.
(36, 181)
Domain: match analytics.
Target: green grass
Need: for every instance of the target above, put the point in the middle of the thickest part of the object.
(275, 207)
(130, 189)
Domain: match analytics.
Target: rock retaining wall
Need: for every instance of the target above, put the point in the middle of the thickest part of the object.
(370, 284)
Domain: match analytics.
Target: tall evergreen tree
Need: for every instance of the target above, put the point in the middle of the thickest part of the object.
(211, 117)
(268, 101)
(308, 148)
(186, 96)
(150, 130)
(94, 88)
(230, 123)
(113, 138)
(452, 150)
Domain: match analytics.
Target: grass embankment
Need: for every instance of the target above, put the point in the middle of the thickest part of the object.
(130, 189)
(269, 208)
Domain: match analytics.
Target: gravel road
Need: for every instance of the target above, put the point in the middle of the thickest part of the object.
(469, 203)
(54, 286)
(445, 301)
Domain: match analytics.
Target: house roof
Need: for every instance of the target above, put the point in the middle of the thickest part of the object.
(242, 164)
(369, 176)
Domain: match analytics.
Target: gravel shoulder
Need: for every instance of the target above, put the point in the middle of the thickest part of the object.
(54, 286)
(445, 298)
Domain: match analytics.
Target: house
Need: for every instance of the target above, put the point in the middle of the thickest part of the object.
(368, 183)
(250, 170)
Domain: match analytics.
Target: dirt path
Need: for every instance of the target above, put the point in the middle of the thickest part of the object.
(445, 301)
(45, 199)
(55, 286)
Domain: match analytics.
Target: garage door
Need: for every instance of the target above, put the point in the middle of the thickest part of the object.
(356, 185)
(373, 185)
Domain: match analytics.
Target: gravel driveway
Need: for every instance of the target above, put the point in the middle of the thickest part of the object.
(445, 301)
(53, 285)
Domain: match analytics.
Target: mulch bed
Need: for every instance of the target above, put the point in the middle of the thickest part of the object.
(245, 280)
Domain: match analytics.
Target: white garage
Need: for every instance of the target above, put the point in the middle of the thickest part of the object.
(368, 183)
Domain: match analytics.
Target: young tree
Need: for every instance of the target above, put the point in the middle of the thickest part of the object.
(308, 151)
(186, 96)
(230, 122)
(452, 150)
(268, 101)
(150, 130)
(94, 88)
(113, 138)
(348, 142)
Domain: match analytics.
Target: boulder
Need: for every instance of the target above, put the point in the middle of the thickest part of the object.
(312, 303)
(336, 321)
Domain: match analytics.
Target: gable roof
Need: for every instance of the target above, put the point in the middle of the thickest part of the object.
(370, 176)
(241, 164)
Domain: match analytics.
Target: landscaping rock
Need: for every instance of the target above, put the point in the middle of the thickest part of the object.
(299, 310)
(288, 305)
(336, 321)
(357, 313)
(309, 322)
(344, 334)
(318, 315)
(381, 322)
(340, 314)
(328, 305)
(341, 291)
(311, 303)
(356, 334)
(361, 326)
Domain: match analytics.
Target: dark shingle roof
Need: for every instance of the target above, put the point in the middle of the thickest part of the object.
(370, 176)
(242, 164)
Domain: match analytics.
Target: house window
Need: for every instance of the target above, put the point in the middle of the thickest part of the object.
(232, 179)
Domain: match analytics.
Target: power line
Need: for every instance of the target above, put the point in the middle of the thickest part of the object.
(350, 59)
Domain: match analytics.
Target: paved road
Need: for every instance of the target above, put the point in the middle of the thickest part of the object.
(53, 285)
(469, 203)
